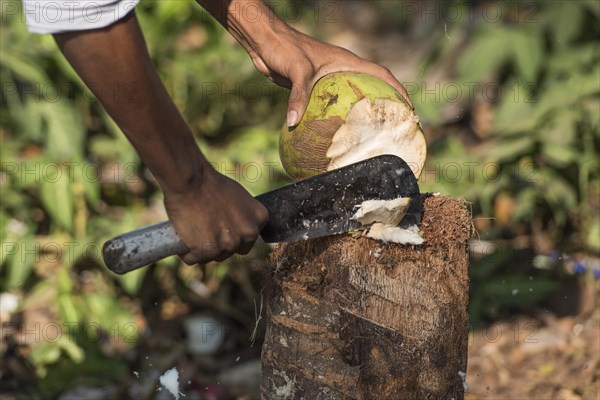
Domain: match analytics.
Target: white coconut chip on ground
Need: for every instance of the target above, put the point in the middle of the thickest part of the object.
(170, 380)
(385, 215)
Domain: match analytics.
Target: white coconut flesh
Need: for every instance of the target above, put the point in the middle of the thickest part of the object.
(375, 128)
(388, 212)
(383, 216)
(393, 234)
(170, 380)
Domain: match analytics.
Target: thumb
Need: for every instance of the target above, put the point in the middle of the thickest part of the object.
(297, 104)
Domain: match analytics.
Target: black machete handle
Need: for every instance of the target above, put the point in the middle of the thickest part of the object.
(133, 250)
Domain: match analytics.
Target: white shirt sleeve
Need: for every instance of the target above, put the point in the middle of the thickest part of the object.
(49, 16)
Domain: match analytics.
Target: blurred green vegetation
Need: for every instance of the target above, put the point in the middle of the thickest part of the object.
(529, 155)
(542, 147)
(69, 180)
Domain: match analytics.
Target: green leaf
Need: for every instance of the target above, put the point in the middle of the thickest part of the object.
(511, 150)
(564, 33)
(593, 236)
(64, 130)
(20, 260)
(428, 111)
(562, 130)
(67, 344)
(168, 10)
(106, 310)
(88, 175)
(57, 198)
(44, 353)
(526, 204)
(572, 58)
(19, 66)
(559, 155)
(590, 110)
(24, 114)
(564, 93)
(560, 194)
(64, 281)
(484, 55)
(527, 47)
(68, 310)
(514, 113)
(592, 5)
(132, 281)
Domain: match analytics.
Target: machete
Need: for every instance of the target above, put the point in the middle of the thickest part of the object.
(321, 205)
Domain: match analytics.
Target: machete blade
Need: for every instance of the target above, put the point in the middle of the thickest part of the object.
(324, 204)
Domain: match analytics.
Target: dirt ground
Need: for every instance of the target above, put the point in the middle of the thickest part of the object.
(541, 358)
(533, 357)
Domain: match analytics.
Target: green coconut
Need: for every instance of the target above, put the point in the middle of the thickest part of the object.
(351, 117)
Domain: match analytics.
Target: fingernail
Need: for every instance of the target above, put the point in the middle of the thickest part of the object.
(292, 118)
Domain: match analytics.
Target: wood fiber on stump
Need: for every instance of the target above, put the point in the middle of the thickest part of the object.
(354, 318)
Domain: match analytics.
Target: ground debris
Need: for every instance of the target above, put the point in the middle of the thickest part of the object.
(527, 358)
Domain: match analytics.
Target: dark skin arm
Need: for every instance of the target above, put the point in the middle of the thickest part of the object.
(213, 214)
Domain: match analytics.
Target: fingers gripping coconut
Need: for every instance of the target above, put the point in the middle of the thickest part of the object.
(351, 117)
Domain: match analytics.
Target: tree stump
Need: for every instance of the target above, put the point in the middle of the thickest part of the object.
(354, 318)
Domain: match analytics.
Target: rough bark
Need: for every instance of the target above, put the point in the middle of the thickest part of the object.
(353, 318)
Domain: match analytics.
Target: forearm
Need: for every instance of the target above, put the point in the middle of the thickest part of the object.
(115, 65)
(250, 22)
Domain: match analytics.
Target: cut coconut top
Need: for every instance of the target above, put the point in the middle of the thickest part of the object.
(375, 128)
(352, 117)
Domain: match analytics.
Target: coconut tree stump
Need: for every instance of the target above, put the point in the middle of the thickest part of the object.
(353, 318)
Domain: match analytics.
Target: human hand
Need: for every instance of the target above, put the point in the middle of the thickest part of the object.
(215, 218)
(297, 61)
(287, 57)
